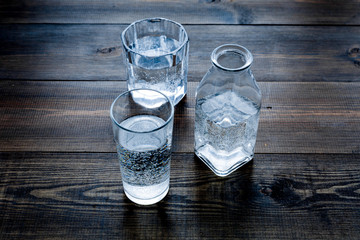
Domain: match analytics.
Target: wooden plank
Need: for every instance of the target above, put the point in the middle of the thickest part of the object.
(74, 116)
(188, 12)
(79, 196)
(93, 52)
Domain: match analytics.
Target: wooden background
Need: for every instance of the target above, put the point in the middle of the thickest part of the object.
(61, 67)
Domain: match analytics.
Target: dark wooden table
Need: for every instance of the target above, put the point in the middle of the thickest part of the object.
(61, 67)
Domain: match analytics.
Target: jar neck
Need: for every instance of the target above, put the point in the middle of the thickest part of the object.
(227, 72)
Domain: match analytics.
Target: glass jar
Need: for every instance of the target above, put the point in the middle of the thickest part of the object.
(228, 102)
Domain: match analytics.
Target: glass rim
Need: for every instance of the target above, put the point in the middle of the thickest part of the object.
(169, 119)
(186, 40)
(232, 48)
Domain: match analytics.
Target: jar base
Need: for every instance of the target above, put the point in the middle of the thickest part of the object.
(224, 171)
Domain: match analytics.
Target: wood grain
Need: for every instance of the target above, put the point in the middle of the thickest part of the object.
(188, 12)
(93, 52)
(266, 199)
(74, 116)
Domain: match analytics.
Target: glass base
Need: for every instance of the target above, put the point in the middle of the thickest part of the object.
(226, 172)
(147, 201)
(174, 96)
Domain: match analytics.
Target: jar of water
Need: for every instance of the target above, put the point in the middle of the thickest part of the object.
(228, 102)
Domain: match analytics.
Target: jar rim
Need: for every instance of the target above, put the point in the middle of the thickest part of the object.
(232, 48)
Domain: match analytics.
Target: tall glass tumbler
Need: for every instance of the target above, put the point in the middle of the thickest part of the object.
(156, 55)
(142, 121)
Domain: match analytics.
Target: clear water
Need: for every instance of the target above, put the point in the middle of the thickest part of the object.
(225, 131)
(149, 71)
(144, 159)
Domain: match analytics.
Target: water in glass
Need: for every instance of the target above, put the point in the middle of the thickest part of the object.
(144, 159)
(159, 73)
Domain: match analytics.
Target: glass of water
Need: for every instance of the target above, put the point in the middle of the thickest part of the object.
(142, 121)
(156, 56)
